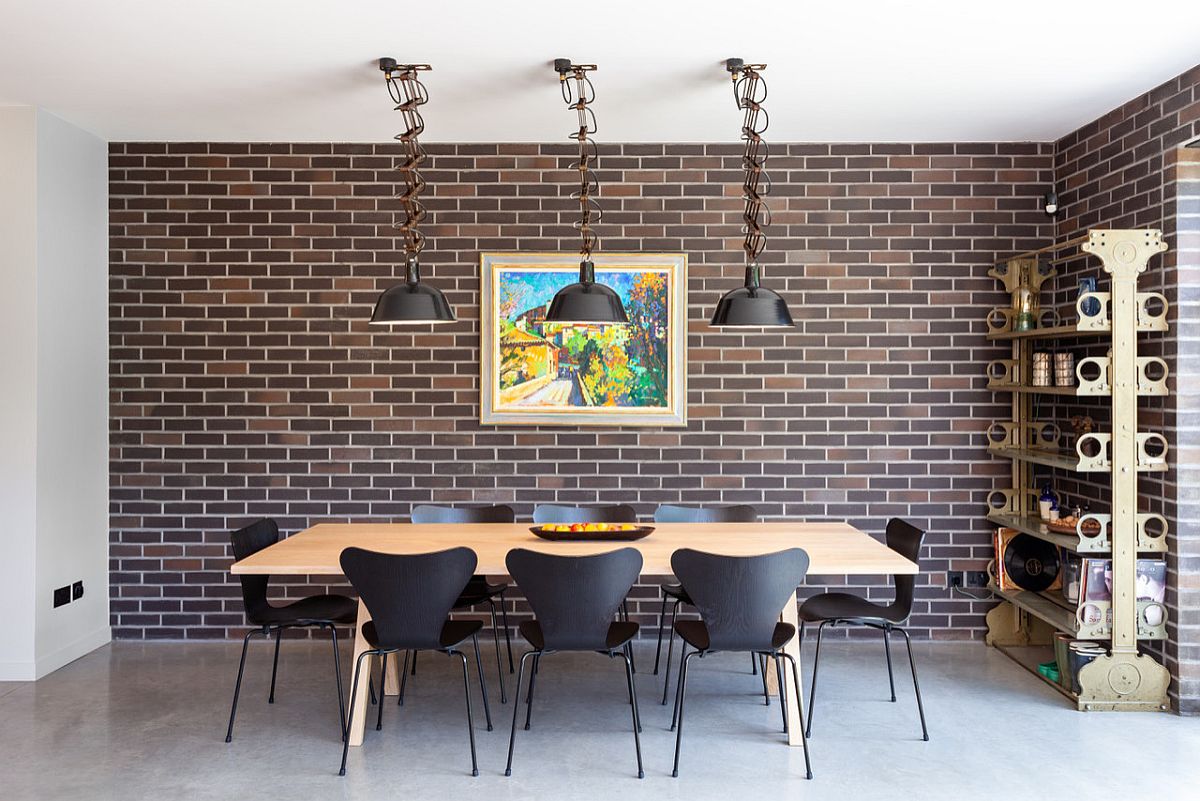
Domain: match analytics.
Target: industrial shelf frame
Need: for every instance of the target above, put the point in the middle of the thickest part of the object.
(1125, 679)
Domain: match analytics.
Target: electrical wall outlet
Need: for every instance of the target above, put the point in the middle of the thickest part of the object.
(974, 578)
(62, 596)
(954, 578)
(77, 591)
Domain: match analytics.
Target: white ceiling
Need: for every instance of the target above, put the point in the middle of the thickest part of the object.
(304, 70)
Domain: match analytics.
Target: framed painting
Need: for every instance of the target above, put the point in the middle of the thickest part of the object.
(539, 373)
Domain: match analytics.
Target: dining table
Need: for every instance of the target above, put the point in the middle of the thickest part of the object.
(834, 549)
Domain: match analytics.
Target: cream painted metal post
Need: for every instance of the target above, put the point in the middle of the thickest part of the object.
(1124, 679)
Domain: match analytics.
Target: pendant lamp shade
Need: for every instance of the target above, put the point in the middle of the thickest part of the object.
(586, 301)
(752, 306)
(412, 302)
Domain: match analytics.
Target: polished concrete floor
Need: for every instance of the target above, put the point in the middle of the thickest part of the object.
(142, 721)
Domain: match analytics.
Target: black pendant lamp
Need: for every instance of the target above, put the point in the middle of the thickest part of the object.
(412, 301)
(752, 305)
(585, 301)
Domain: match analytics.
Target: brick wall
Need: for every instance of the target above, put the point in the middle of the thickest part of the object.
(246, 383)
(1123, 171)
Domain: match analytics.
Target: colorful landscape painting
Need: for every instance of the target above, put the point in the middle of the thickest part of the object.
(537, 371)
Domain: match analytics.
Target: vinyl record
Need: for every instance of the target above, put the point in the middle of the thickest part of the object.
(1030, 563)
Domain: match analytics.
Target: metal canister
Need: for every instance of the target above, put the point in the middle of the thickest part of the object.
(1080, 653)
(1041, 369)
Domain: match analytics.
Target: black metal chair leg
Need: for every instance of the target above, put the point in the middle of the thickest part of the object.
(887, 647)
(383, 660)
(237, 688)
(916, 685)
(782, 692)
(470, 717)
(275, 665)
(529, 695)
(350, 716)
(414, 665)
(507, 638)
(633, 699)
(404, 676)
(683, 671)
(753, 664)
(499, 666)
(337, 675)
(371, 687)
(670, 649)
(662, 619)
(766, 692)
(678, 685)
(812, 691)
(512, 737)
(637, 726)
(800, 712)
(487, 710)
(628, 646)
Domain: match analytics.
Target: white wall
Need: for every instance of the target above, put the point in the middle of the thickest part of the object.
(72, 390)
(18, 400)
(54, 404)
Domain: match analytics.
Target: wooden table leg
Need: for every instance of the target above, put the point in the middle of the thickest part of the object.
(391, 684)
(791, 614)
(361, 695)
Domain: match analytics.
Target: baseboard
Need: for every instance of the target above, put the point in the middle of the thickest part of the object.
(67, 654)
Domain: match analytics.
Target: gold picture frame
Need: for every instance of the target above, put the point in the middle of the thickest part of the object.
(538, 373)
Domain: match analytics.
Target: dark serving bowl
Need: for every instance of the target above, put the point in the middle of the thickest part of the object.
(592, 536)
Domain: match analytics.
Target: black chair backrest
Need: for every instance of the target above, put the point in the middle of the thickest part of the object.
(740, 597)
(574, 598)
(247, 541)
(409, 596)
(426, 513)
(905, 539)
(670, 513)
(552, 513)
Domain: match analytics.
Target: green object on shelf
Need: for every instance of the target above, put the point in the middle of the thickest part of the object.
(1049, 670)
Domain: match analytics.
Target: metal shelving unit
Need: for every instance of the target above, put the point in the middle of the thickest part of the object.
(1024, 622)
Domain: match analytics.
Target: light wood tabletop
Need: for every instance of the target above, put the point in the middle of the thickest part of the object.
(834, 549)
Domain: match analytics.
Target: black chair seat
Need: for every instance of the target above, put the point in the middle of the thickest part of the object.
(574, 601)
(739, 599)
(695, 634)
(843, 606)
(618, 634)
(409, 597)
(333, 608)
(677, 592)
(478, 591)
(453, 633)
(834, 608)
(317, 611)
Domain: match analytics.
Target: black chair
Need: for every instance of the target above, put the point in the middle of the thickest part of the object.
(316, 611)
(839, 608)
(670, 513)
(613, 513)
(478, 590)
(740, 599)
(574, 600)
(409, 598)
